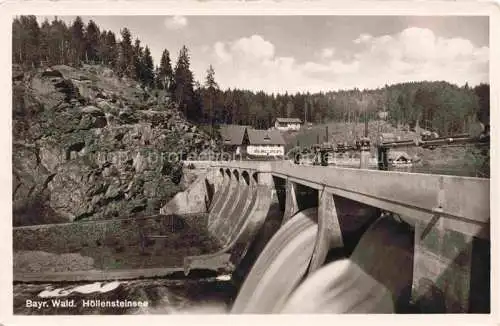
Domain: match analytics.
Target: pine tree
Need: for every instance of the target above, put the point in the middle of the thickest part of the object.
(92, 40)
(211, 90)
(26, 41)
(137, 60)
(125, 58)
(78, 41)
(165, 73)
(60, 42)
(111, 50)
(45, 49)
(147, 65)
(183, 86)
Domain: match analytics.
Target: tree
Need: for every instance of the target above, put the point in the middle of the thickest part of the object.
(211, 92)
(17, 41)
(60, 42)
(165, 73)
(26, 41)
(482, 91)
(125, 56)
(210, 82)
(137, 60)
(77, 41)
(92, 40)
(45, 49)
(111, 49)
(147, 66)
(183, 86)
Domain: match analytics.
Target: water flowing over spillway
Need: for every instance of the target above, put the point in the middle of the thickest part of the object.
(340, 287)
(366, 282)
(280, 267)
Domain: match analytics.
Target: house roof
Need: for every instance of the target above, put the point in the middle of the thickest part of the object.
(289, 120)
(232, 134)
(265, 137)
(395, 155)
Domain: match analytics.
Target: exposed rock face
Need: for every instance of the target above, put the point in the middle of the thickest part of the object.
(89, 145)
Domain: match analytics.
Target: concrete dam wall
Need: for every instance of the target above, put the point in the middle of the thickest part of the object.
(294, 244)
(366, 259)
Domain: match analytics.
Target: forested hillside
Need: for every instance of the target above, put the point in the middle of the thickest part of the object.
(89, 141)
(440, 106)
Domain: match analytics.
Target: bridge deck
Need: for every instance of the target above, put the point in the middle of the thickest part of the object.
(459, 203)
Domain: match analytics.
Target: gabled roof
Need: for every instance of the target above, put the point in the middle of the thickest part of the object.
(232, 134)
(265, 137)
(289, 120)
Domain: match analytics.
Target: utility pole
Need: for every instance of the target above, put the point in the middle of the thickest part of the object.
(366, 124)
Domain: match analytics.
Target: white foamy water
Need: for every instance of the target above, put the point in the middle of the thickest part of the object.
(226, 277)
(340, 287)
(280, 266)
(96, 287)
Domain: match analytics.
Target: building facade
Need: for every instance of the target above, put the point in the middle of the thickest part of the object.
(288, 124)
(264, 143)
(246, 142)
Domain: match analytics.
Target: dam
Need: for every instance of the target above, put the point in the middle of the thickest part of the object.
(309, 239)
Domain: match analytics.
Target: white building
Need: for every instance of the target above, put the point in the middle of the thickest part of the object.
(286, 124)
(249, 142)
(263, 143)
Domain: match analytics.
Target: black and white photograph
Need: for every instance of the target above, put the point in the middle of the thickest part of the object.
(183, 163)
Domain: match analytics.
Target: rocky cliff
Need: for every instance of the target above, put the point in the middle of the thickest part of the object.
(90, 145)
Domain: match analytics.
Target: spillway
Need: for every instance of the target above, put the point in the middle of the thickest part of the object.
(367, 281)
(234, 224)
(362, 281)
(218, 201)
(280, 266)
(340, 287)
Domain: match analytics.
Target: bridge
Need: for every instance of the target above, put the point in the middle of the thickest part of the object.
(423, 237)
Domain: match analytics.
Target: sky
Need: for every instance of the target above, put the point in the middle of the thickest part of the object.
(317, 53)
